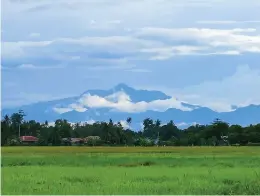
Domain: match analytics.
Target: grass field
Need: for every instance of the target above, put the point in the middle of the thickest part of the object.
(131, 170)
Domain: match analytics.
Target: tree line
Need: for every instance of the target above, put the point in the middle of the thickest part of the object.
(114, 134)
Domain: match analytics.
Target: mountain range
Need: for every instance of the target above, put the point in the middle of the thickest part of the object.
(122, 101)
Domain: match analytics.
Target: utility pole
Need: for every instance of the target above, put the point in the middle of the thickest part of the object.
(158, 138)
(19, 131)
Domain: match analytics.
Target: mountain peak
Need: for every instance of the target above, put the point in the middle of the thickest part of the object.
(122, 86)
(150, 103)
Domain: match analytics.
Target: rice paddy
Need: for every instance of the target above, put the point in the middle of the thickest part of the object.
(130, 170)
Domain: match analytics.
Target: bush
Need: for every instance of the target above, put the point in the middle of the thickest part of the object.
(13, 142)
(94, 141)
(253, 144)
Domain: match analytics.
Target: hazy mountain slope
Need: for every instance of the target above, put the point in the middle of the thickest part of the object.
(122, 101)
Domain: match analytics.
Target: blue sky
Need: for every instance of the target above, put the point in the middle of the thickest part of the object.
(204, 52)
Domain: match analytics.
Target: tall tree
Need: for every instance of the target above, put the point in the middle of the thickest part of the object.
(148, 128)
(5, 129)
(129, 120)
(63, 128)
(16, 120)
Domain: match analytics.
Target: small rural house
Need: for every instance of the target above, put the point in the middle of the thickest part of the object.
(28, 139)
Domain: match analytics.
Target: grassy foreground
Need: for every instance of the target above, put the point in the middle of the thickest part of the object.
(130, 170)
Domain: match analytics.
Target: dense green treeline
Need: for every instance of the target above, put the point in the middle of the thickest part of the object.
(112, 133)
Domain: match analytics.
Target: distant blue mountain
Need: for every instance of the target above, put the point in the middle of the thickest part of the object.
(45, 110)
(135, 95)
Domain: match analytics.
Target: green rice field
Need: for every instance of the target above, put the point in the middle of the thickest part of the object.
(130, 170)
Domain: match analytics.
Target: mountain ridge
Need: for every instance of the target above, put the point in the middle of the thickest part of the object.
(123, 101)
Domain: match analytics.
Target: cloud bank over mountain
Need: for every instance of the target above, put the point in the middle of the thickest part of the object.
(120, 101)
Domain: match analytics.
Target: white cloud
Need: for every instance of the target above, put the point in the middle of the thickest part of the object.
(18, 49)
(184, 124)
(142, 126)
(118, 46)
(120, 101)
(51, 124)
(62, 110)
(91, 121)
(74, 106)
(34, 67)
(228, 52)
(11, 50)
(77, 107)
(124, 124)
(168, 52)
(241, 40)
(226, 21)
(139, 45)
(239, 89)
(193, 33)
(111, 41)
(27, 66)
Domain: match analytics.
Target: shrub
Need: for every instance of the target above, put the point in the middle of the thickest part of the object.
(253, 144)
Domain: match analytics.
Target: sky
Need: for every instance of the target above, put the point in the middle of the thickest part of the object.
(204, 52)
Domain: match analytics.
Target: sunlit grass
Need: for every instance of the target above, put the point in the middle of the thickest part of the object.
(151, 170)
(177, 150)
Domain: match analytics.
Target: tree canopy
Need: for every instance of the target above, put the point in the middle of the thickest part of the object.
(113, 133)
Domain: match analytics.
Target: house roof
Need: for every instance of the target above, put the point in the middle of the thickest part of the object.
(28, 139)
